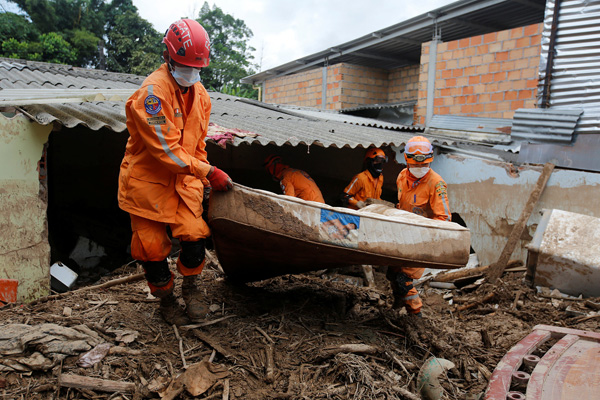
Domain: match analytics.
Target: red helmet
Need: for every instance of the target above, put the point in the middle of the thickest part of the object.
(374, 152)
(270, 163)
(418, 150)
(188, 43)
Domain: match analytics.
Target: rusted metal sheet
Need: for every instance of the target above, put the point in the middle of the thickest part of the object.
(568, 368)
(564, 253)
(259, 234)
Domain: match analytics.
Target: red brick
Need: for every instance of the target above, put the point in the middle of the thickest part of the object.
(510, 95)
(525, 94)
(446, 92)
(523, 42)
(466, 109)
(473, 80)
(514, 105)
(532, 83)
(440, 65)
(489, 37)
(453, 45)
(514, 75)
(443, 110)
(450, 82)
(467, 90)
(498, 96)
(487, 78)
(531, 29)
(501, 56)
(483, 49)
(490, 107)
(472, 99)
(499, 76)
(463, 43)
(457, 72)
(516, 32)
(476, 40)
(478, 108)
(535, 40)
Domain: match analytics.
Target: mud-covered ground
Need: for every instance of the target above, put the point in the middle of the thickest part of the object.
(326, 339)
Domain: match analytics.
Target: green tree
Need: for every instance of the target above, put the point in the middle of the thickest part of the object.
(51, 47)
(18, 27)
(133, 45)
(230, 54)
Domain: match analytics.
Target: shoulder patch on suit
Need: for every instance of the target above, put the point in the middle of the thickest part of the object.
(152, 104)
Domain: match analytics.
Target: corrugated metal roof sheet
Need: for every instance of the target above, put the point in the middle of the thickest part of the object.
(575, 80)
(39, 81)
(350, 119)
(477, 129)
(537, 125)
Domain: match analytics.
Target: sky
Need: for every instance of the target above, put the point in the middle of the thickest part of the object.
(285, 30)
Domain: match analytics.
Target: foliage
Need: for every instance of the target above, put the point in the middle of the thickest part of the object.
(230, 55)
(133, 45)
(113, 36)
(51, 47)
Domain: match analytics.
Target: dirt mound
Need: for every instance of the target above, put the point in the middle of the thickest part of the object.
(290, 337)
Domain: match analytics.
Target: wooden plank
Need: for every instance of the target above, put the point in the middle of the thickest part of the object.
(103, 385)
(498, 267)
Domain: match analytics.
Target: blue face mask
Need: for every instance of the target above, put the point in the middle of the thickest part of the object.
(185, 76)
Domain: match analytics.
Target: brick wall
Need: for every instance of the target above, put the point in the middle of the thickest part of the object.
(347, 86)
(490, 75)
(403, 84)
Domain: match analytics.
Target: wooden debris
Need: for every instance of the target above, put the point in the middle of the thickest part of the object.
(262, 332)
(180, 340)
(270, 364)
(103, 385)
(487, 298)
(451, 276)
(356, 348)
(212, 343)
(114, 282)
(516, 301)
(498, 267)
(207, 323)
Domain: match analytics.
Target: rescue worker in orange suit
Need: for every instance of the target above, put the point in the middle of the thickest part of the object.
(293, 182)
(165, 170)
(367, 184)
(421, 191)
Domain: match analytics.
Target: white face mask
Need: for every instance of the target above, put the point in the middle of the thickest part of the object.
(419, 172)
(185, 76)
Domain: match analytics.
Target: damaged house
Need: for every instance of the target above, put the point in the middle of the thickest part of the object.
(500, 87)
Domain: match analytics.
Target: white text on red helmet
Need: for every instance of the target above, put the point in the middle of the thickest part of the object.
(185, 33)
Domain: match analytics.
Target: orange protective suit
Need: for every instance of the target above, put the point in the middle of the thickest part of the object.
(363, 186)
(163, 172)
(428, 197)
(297, 183)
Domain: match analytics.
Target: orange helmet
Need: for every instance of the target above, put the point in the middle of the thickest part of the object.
(418, 150)
(271, 162)
(374, 153)
(188, 43)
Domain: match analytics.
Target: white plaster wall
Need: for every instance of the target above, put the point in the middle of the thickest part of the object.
(490, 197)
(24, 248)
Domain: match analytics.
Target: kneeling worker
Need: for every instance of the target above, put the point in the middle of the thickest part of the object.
(293, 182)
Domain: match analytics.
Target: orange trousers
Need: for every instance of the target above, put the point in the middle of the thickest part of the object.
(150, 241)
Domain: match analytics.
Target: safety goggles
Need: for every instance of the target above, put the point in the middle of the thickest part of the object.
(419, 157)
(418, 147)
(379, 159)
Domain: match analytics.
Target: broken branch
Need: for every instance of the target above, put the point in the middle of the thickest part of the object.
(104, 385)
